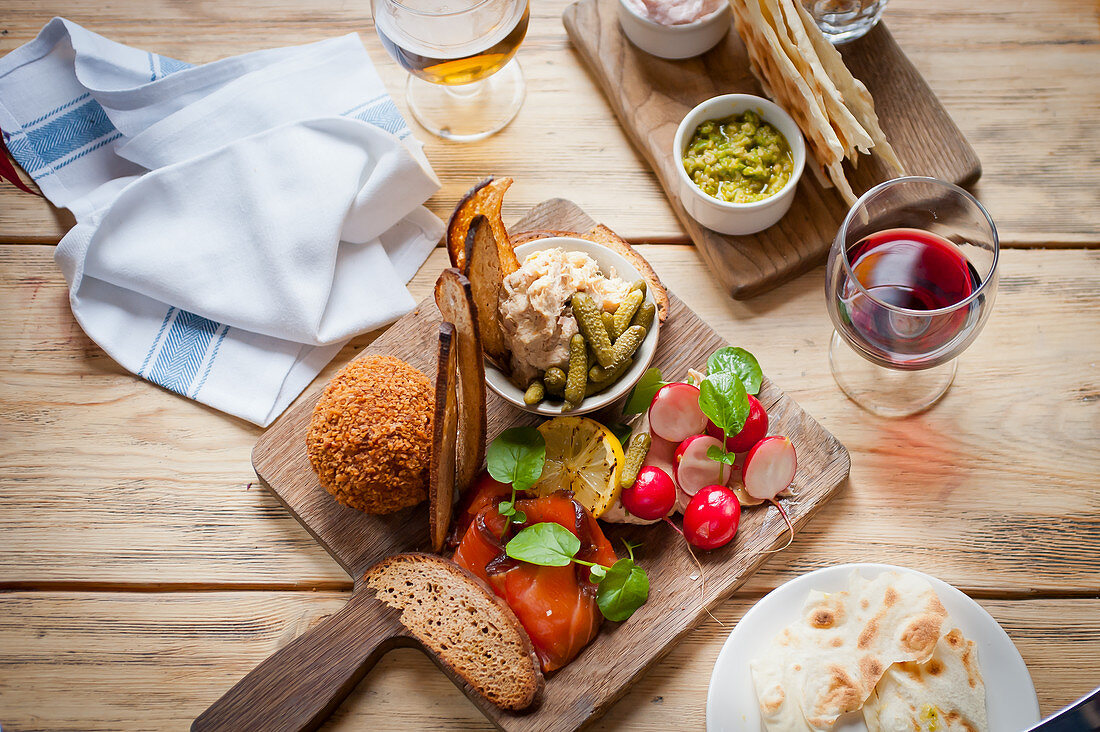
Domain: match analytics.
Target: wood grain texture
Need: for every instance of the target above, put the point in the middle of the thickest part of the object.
(108, 662)
(1009, 74)
(109, 481)
(651, 95)
(590, 684)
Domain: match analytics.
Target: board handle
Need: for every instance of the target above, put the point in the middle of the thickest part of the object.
(301, 684)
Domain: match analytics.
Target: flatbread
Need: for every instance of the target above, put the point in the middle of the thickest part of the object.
(946, 693)
(827, 663)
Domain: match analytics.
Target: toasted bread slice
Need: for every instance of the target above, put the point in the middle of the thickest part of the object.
(472, 633)
(486, 275)
(608, 238)
(441, 474)
(486, 199)
(455, 299)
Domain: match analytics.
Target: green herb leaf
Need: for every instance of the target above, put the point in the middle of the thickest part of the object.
(506, 508)
(642, 393)
(623, 590)
(621, 432)
(516, 456)
(723, 399)
(740, 362)
(518, 517)
(546, 544)
(598, 573)
(719, 455)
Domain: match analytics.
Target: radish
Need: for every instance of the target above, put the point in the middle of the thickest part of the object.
(769, 468)
(694, 469)
(712, 517)
(674, 413)
(755, 429)
(652, 496)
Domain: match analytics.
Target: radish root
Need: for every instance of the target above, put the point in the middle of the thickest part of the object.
(702, 574)
(790, 527)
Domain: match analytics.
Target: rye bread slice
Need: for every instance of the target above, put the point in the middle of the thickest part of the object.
(471, 632)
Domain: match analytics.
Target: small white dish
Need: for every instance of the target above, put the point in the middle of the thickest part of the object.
(675, 41)
(608, 259)
(737, 218)
(731, 699)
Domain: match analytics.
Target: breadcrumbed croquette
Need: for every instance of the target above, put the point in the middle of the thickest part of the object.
(370, 437)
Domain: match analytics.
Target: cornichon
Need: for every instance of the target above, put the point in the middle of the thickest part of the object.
(610, 377)
(554, 378)
(624, 314)
(590, 322)
(576, 378)
(628, 342)
(609, 323)
(534, 394)
(640, 286)
(644, 316)
(634, 458)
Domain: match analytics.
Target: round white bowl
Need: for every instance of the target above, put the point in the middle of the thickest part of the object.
(737, 218)
(675, 41)
(608, 259)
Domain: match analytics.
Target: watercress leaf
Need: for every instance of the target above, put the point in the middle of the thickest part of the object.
(719, 455)
(518, 517)
(517, 456)
(723, 399)
(740, 362)
(622, 591)
(506, 508)
(546, 544)
(598, 573)
(621, 432)
(642, 393)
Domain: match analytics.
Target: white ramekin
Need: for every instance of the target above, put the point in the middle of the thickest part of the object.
(737, 218)
(675, 41)
(608, 259)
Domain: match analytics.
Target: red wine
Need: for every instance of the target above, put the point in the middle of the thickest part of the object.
(911, 269)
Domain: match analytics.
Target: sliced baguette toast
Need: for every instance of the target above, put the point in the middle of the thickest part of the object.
(471, 632)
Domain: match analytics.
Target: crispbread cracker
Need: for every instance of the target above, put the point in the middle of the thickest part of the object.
(486, 275)
(441, 475)
(456, 303)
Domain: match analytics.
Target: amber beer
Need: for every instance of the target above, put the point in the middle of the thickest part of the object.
(443, 63)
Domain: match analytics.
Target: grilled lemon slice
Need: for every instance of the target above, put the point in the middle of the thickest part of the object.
(582, 456)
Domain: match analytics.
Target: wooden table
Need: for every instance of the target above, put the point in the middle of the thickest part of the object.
(143, 572)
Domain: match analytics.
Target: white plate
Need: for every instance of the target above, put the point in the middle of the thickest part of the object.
(731, 701)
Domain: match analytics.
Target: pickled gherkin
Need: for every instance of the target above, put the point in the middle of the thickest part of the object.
(634, 458)
(534, 394)
(590, 322)
(644, 316)
(576, 378)
(624, 314)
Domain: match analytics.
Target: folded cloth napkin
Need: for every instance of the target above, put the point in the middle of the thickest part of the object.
(237, 222)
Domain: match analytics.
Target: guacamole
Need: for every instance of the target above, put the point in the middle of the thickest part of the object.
(739, 159)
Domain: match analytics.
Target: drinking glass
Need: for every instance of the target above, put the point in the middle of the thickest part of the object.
(464, 83)
(911, 279)
(845, 20)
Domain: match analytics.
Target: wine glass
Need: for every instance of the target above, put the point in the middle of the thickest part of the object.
(464, 83)
(911, 279)
(845, 20)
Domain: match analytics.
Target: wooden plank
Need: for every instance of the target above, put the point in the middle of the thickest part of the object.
(105, 478)
(1029, 76)
(650, 96)
(585, 688)
(138, 661)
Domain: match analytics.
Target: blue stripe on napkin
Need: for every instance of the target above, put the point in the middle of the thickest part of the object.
(38, 148)
(183, 350)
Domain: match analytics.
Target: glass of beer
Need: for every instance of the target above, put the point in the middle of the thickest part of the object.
(464, 83)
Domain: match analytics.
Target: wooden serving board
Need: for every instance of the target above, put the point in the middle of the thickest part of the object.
(620, 653)
(651, 95)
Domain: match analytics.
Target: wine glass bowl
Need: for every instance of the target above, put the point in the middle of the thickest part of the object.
(910, 282)
(464, 82)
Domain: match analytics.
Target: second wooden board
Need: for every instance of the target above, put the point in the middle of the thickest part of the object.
(651, 95)
(679, 595)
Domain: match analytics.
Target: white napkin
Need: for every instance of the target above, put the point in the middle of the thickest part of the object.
(237, 222)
